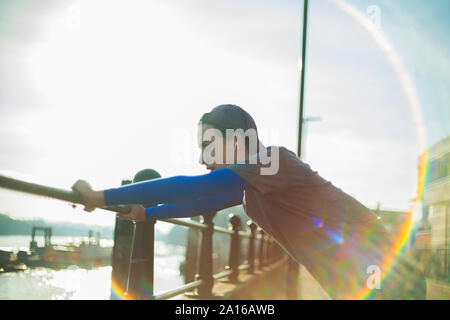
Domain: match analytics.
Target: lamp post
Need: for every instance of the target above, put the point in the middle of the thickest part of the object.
(293, 266)
(304, 134)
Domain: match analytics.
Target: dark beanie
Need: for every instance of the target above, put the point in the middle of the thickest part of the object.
(229, 116)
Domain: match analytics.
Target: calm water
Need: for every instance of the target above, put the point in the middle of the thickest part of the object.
(79, 283)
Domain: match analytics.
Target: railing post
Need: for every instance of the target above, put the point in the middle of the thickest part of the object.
(190, 265)
(278, 251)
(271, 250)
(205, 264)
(292, 279)
(268, 250)
(49, 237)
(261, 249)
(251, 246)
(235, 248)
(121, 256)
(141, 269)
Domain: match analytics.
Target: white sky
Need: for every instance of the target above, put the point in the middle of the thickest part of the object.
(100, 90)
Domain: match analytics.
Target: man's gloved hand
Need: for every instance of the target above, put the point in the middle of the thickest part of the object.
(137, 213)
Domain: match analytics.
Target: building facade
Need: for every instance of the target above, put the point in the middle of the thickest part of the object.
(433, 240)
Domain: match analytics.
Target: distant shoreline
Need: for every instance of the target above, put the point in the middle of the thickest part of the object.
(14, 227)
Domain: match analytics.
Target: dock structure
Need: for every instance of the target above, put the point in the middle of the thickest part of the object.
(47, 237)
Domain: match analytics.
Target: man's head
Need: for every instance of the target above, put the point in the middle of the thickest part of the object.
(227, 134)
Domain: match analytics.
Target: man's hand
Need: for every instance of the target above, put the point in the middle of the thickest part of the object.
(91, 199)
(137, 213)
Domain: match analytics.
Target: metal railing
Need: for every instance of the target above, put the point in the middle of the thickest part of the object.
(202, 287)
(141, 253)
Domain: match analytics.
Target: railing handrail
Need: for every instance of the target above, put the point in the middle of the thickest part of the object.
(51, 192)
(177, 291)
(198, 225)
(190, 224)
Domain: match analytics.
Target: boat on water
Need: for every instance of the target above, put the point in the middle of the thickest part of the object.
(88, 254)
(9, 262)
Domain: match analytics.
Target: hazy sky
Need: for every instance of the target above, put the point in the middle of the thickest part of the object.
(101, 89)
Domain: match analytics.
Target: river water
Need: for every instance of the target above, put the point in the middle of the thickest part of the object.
(79, 283)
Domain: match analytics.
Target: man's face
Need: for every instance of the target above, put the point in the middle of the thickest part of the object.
(213, 151)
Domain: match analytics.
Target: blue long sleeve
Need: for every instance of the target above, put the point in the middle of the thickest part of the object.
(176, 189)
(194, 208)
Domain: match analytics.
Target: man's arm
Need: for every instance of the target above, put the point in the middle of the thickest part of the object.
(164, 190)
(194, 208)
(185, 209)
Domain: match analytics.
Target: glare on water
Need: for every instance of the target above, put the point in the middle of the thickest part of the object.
(79, 283)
